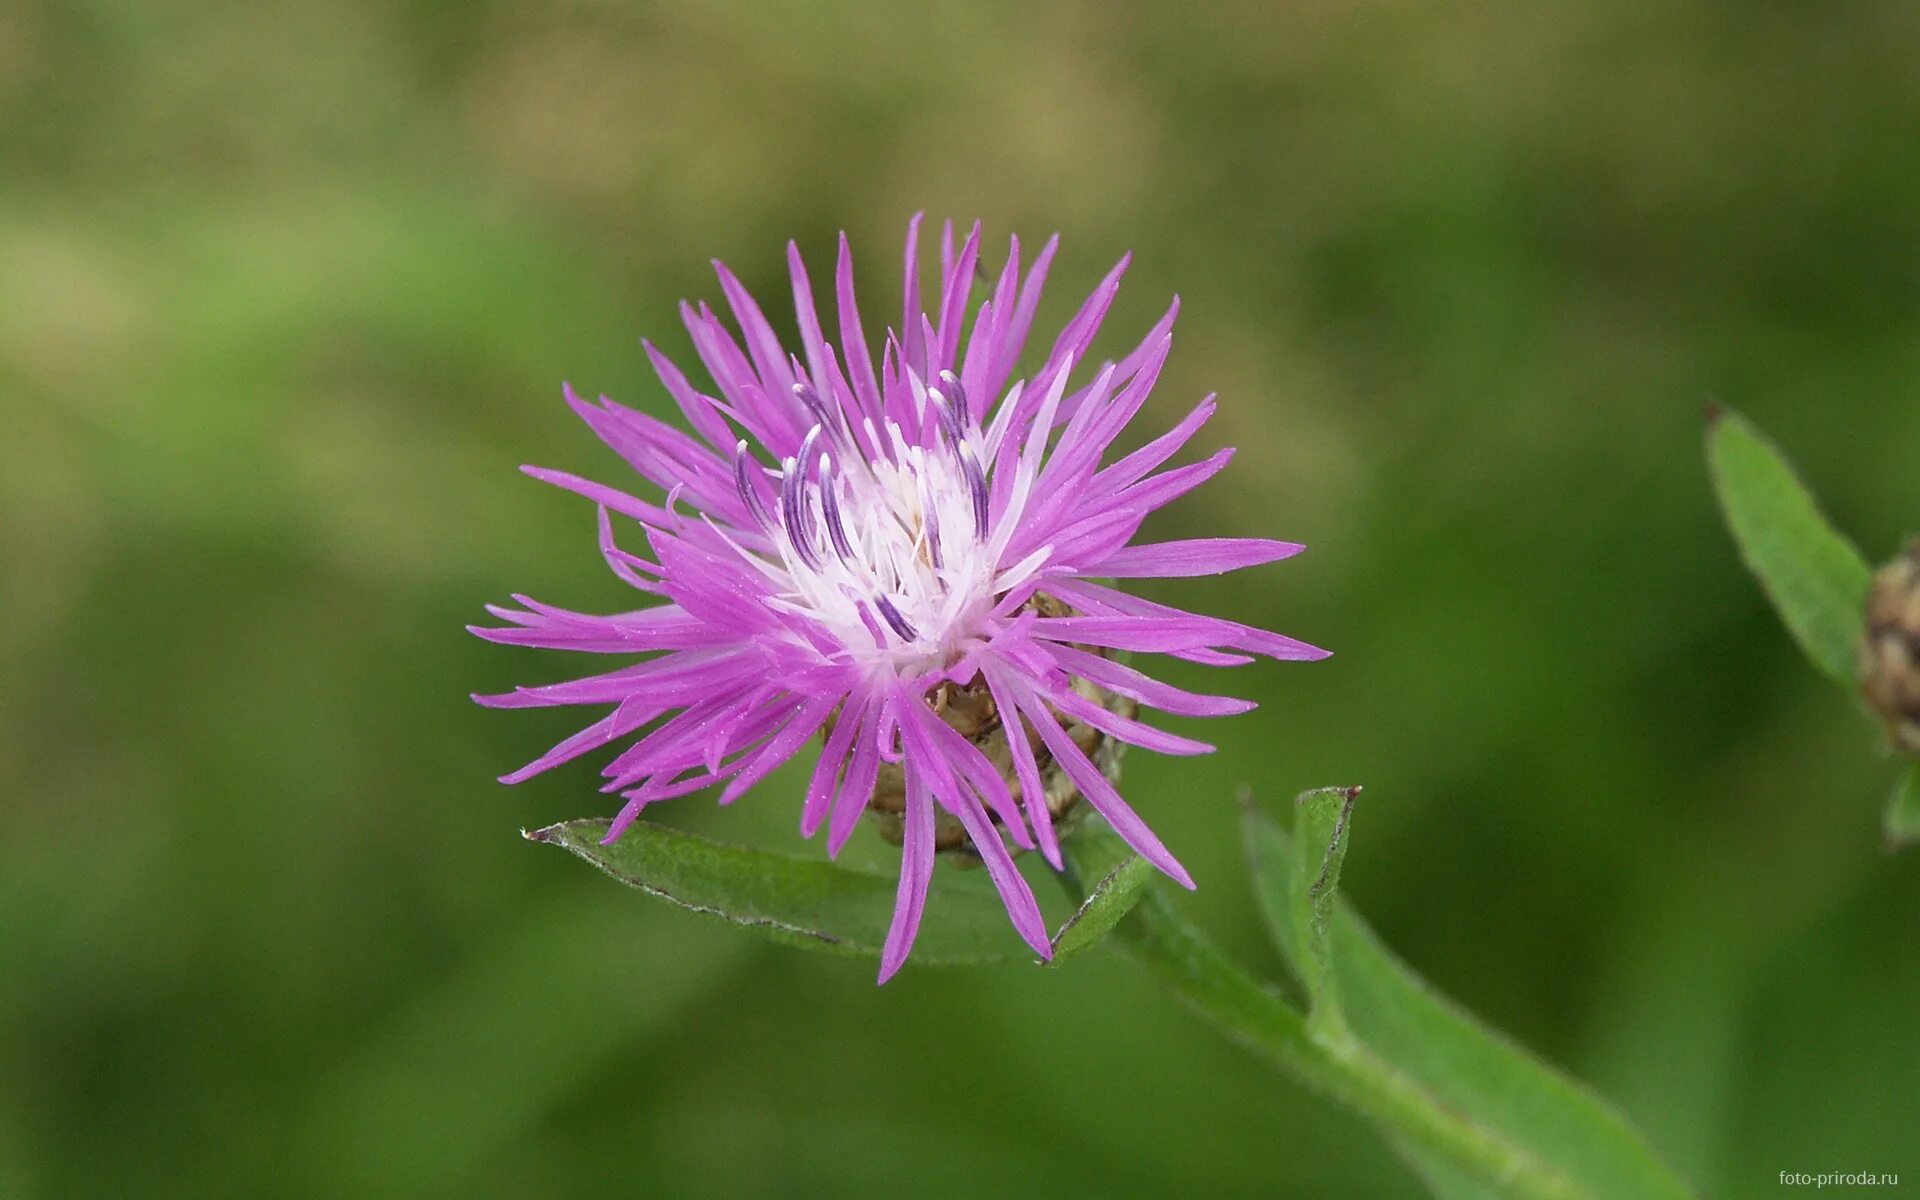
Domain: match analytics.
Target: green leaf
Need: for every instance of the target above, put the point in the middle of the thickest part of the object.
(1813, 574)
(1466, 1068)
(1903, 810)
(1314, 880)
(1119, 878)
(802, 902)
(1445, 1180)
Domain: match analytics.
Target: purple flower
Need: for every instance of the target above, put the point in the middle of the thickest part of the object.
(844, 538)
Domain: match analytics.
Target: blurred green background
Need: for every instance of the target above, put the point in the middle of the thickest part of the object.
(287, 294)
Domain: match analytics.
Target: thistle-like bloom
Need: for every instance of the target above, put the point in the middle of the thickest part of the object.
(847, 544)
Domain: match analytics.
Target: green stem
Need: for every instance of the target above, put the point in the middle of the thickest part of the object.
(1327, 1057)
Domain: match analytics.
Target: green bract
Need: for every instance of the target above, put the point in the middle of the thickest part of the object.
(1814, 576)
(1817, 580)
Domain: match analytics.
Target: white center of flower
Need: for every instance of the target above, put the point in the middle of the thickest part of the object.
(882, 539)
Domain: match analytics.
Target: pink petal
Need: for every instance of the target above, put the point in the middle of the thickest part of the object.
(1193, 556)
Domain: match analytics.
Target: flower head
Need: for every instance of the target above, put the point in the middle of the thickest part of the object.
(846, 547)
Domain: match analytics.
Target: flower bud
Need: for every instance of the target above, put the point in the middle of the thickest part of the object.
(1890, 651)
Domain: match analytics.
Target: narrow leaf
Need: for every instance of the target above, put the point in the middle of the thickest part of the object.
(1814, 576)
(802, 902)
(1903, 810)
(1470, 1069)
(1445, 1180)
(1320, 846)
(1120, 876)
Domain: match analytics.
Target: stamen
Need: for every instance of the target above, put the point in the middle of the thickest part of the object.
(807, 444)
(930, 521)
(899, 623)
(793, 502)
(817, 408)
(958, 395)
(977, 488)
(830, 511)
(791, 509)
(749, 494)
(866, 618)
(949, 418)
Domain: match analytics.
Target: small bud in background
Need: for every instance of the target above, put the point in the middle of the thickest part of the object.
(1890, 651)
